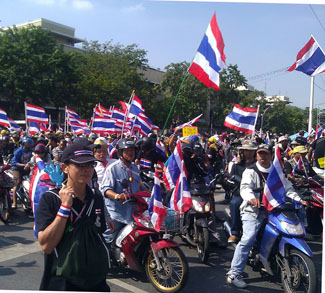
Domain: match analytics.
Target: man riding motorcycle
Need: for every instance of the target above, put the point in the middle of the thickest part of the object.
(114, 189)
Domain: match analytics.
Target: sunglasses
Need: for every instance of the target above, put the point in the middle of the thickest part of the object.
(39, 153)
(85, 165)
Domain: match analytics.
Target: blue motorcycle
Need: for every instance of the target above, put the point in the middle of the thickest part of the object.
(282, 251)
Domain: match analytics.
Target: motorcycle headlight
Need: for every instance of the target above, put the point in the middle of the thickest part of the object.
(207, 207)
(293, 229)
(197, 206)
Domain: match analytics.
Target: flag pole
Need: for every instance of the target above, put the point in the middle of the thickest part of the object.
(27, 129)
(258, 110)
(172, 107)
(311, 104)
(127, 110)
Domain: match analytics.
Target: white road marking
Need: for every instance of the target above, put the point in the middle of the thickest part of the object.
(17, 249)
(125, 286)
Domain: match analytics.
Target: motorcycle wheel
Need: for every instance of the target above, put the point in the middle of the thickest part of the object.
(4, 208)
(189, 235)
(303, 271)
(203, 244)
(174, 273)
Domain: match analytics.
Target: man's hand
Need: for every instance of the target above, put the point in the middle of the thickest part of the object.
(111, 226)
(122, 197)
(66, 195)
(255, 203)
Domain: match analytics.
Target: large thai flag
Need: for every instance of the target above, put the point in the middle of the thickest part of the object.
(118, 114)
(34, 128)
(35, 114)
(274, 189)
(189, 123)
(14, 126)
(135, 108)
(242, 119)
(181, 199)
(310, 59)
(160, 148)
(209, 59)
(36, 188)
(142, 125)
(157, 211)
(319, 131)
(4, 119)
(174, 167)
(105, 125)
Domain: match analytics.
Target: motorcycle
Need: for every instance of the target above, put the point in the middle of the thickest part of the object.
(138, 245)
(282, 251)
(200, 227)
(23, 194)
(6, 183)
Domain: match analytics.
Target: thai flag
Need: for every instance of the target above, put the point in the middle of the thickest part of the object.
(209, 59)
(50, 128)
(174, 167)
(35, 114)
(100, 111)
(311, 133)
(157, 211)
(160, 149)
(142, 125)
(242, 119)
(189, 123)
(181, 199)
(34, 128)
(36, 188)
(72, 114)
(103, 125)
(4, 119)
(310, 59)
(111, 151)
(288, 150)
(60, 128)
(274, 190)
(299, 166)
(14, 126)
(319, 131)
(267, 139)
(145, 163)
(118, 114)
(134, 108)
(42, 127)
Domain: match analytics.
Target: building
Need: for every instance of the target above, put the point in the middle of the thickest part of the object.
(273, 99)
(63, 34)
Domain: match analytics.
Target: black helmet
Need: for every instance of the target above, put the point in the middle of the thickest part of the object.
(147, 143)
(187, 144)
(123, 144)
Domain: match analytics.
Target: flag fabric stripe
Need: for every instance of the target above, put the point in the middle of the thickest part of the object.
(209, 59)
(310, 59)
(242, 119)
(4, 118)
(189, 123)
(13, 125)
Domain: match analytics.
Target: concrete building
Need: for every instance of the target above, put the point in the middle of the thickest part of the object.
(273, 99)
(63, 34)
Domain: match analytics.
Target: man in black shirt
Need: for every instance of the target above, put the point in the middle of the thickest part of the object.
(60, 210)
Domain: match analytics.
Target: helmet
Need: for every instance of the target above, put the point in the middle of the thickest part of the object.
(27, 141)
(147, 143)
(123, 144)
(212, 139)
(187, 144)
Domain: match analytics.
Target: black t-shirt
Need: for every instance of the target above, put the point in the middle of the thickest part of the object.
(149, 160)
(48, 207)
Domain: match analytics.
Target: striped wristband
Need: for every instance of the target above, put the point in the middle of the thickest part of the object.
(64, 211)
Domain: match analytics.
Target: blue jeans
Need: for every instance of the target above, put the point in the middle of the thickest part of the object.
(251, 226)
(111, 236)
(236, 223)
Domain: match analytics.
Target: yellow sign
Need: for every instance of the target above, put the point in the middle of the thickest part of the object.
(187, 131)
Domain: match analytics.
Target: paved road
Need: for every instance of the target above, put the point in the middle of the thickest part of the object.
(21, 264)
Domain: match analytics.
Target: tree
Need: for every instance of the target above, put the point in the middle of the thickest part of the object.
(35, 69)
(110, 73)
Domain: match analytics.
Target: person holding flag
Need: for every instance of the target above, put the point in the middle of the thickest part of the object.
(256, 203)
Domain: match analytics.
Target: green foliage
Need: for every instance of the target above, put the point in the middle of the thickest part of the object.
(35, 69)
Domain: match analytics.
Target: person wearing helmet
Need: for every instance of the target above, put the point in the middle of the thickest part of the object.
(120, 179)
(215, 154)
(41, 152)
(147, 157)
(19, 161)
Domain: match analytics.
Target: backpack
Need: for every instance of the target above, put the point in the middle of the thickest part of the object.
(83, 258)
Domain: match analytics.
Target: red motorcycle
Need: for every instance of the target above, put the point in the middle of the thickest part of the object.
(6, 183)
(139, 246)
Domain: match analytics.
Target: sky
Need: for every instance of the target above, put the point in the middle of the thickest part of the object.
(262, 39)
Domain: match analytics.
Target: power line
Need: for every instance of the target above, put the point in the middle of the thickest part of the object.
(312, 9)
(267, 74)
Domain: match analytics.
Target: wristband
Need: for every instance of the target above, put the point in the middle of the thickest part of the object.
(64, 211)
(116, 195)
